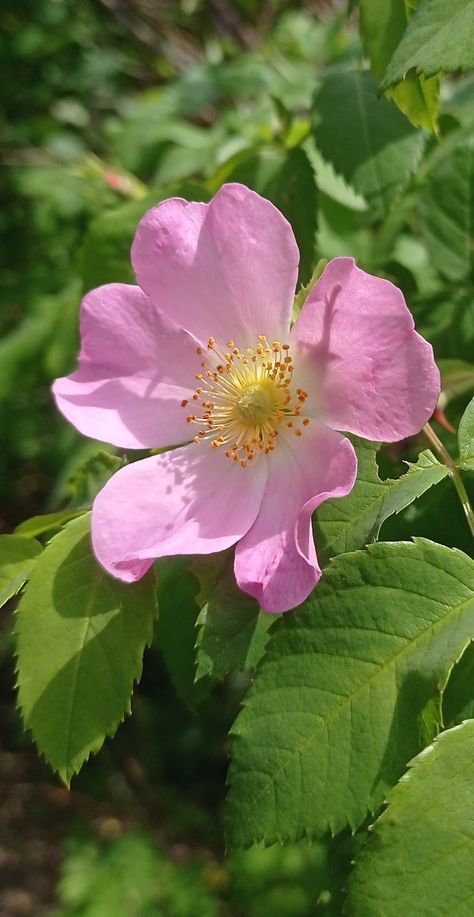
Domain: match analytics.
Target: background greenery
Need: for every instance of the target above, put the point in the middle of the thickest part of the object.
(108, 108)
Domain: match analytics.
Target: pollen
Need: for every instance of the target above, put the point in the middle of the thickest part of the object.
(245, 398)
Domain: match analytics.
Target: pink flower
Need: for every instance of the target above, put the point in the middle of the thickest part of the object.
(202, 353)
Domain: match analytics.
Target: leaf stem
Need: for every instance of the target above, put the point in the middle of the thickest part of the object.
(454, 472)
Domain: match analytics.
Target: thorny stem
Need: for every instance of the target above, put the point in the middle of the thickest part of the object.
(454, 472)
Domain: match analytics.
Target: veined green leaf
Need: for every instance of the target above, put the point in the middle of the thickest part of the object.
(80, 642)
(447, 211)
(348, 691)
(439, 39)
(365, 137)
(419, 857)
(18, 556)
(353, 521)
(383, 23)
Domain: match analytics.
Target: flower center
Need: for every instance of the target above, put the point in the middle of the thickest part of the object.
(247, 398)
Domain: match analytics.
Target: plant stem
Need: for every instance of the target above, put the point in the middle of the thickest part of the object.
(454, 472)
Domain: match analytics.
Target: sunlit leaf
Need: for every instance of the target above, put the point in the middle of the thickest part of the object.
(348, 691)
(18, 556)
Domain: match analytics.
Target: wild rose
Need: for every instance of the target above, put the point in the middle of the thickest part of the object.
(201, 353)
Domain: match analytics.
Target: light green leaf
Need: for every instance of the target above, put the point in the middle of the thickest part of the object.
(353, 521)
(81, 636)
(438, 39)
(233, 632)
(383, 23)
(447, 211)
(39, 525)
(365, 137)
(418, 860)
(348, 691)
(18, 556)
(466, 438)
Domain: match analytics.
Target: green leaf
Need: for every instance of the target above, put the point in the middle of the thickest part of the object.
(91, 476)
(418, 859)
(383, 23)
(365, 138)
(353, 521)
(447, 211)
(287, 179)
(466, 438)
(233, 632)
(348, 691)
(18, 556)
(39, 525)
(458, 696)
(438, 39)
(81, 636)
(176, 627)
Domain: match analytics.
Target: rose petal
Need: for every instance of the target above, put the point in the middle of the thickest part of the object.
(193, 500)
(276, 560)
(373, 375)
(227, 269)
(134, 372)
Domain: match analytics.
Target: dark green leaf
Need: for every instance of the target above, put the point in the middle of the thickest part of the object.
(348, 691)
(418, 860)
(232, 629)
(81, 636)
(458, 697)
(366, 138)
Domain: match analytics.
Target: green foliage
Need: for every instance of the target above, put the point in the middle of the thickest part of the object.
(438, 39)
(353, 521)
(447, 211)
(41, 525)
(348, 691)
(233, 632)
(383, 23)
(80, 641)
(18, 556)
(466, 438)
(419, 857)
(365, 138)
(131, 877)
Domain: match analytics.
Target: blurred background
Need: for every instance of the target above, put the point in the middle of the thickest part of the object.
(108, 107)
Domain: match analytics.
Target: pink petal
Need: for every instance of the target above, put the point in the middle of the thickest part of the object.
(134, 372)
(193, 500)
(227, 269)
(276, 560)
(371, 373)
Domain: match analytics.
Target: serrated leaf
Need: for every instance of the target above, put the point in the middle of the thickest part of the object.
(348, 691)
(80, 642)
(466, 438)
(419, 857)
(365, 137)
(437, 40)
(447, 211)
(354, 521)
(287, 179)
(39, 525)
(232, 629)
(18, 556)
(91, 476)
(383, 23)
